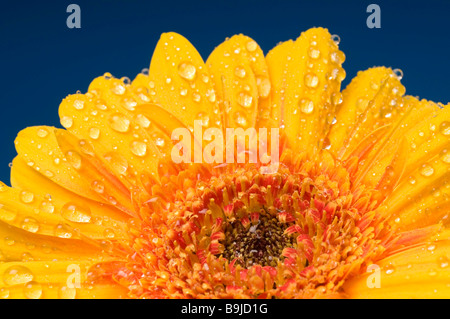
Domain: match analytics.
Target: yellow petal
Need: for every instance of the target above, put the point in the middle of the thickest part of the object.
(42, 215)
(115, 136)
(38, 147)
(50, 198)
(420, 272)
(20, 245)
(355, 99)
(182, 83)
(52, 280)
(306, 89)
(240, 75)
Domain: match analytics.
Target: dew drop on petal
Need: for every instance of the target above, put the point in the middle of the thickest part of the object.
(26, 197)
(398, 73)
(251, 46)
(74, 159)
(42, 132)
(244, 99)
(264, 86)
(187, 70)
(16, 275)
(118, 88)
(67, 293)
(119, 123)
(61, 231)
(314, 53)
(30, 224)
(78, 104)
(240, 119)
(32, 290)
(311, 80)
(426, 170)
(306, 105)
(142, 120)
(240, 72)
(336, 39)
(94, 133)
(138, 148)
(444, 128)
(98, 187)
(445, 156)
(76, 213)
(67, 122)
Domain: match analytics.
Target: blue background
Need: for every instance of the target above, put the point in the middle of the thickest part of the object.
(42, 61)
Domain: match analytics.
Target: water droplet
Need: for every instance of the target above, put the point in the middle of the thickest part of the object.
(240, 72)
(211, 95)
(426, 170)
(30, 224)
(203, 117)
(144, 71)
(26, 197)
(62, 231)
(306, 106)
(94, 132)
(336, 39)
(138, 148)
(76, 213)
(411, 180)
(251, 45)
(42, 132)
(398, 73)
(74, 159)
(47, 207)
(16, 275)
(196, 97)
(129, 104)
(98, 187)
(109, 233)
(445, 156)
(78, 104)
(119, 122)
(244, 99)
(186, 70)
(183, 91)
(67, 122)
(336, 98)
(314, 53)
(311, 80)
(264, 86)
(118, 88)
(4, 293)
(160, 142)
(142, 120)
(389, 269)
(32, 290)
(444, 128)
(240, 119)
(67, 293)
(443, 262)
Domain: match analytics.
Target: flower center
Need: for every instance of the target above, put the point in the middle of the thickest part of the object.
(258, 242)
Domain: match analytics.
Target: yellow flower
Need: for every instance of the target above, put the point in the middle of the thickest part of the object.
(357, 207)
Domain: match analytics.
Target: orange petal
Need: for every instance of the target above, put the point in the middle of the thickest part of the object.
(306, 83)
(53, 280)
(420, 272)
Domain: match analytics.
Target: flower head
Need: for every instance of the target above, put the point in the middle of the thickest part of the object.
(360, 189)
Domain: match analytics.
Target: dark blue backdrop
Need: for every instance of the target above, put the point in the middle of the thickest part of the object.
(42, 60)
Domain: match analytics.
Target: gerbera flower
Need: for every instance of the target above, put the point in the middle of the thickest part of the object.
(357, 207)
